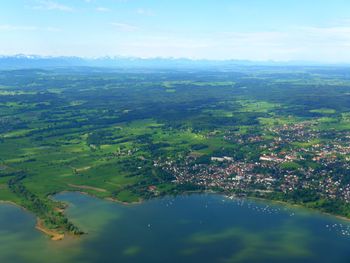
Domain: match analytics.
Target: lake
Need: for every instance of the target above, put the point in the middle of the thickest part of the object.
(190, 228)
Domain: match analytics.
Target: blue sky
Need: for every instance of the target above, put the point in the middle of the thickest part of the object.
(313, 30)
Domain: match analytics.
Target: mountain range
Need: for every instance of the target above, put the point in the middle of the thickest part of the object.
(35, 61)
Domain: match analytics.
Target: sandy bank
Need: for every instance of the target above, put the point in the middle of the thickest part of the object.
(55, 235)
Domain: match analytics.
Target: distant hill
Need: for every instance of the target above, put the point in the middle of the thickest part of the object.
(34, 61)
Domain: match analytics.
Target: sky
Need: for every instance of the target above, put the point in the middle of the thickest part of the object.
(279, 30)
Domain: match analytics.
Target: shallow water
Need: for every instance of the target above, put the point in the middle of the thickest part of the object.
(196, 228)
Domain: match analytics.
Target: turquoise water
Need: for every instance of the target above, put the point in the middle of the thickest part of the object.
(196, 228)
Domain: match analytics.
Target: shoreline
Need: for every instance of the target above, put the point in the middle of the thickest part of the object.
(11, 203)
(54, 235)
(110, 199)
(299, 206)
(58, 236)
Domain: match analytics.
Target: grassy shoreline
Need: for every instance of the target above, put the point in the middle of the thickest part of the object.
(54, 235)
(40, 225)
(299, 206)
(57, 235)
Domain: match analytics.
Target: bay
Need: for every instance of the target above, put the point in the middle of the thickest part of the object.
(188, 228)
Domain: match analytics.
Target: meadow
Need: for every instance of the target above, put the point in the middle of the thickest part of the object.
(99, 131)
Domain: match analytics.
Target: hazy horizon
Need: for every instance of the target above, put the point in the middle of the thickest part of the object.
(252, 30)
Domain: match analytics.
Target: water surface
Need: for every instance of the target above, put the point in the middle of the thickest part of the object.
(196, 228)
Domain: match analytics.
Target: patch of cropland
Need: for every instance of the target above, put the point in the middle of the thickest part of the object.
(277, 133)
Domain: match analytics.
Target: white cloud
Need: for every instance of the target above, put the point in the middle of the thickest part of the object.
(145, 12)
(51, 5)
(311, 43)
(17, 28)
(53, 29)
(125, 27)
(102, 9)
(334, 32)
(324, 44)
(307, 43)
(28, 28)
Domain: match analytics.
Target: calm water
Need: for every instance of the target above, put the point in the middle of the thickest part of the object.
(196, 228)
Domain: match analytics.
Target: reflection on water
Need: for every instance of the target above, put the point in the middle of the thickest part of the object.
(196, 228)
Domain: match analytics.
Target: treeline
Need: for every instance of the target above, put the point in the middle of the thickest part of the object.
(312, 199)
(41, 208)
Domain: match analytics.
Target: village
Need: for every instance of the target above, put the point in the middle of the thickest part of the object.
(299, 157)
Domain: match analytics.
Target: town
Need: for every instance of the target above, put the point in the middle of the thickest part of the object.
(299, 157)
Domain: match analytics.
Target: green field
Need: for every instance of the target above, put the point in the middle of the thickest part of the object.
(99, 132)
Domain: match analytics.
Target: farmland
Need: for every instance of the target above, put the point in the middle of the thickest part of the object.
(134, 135)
